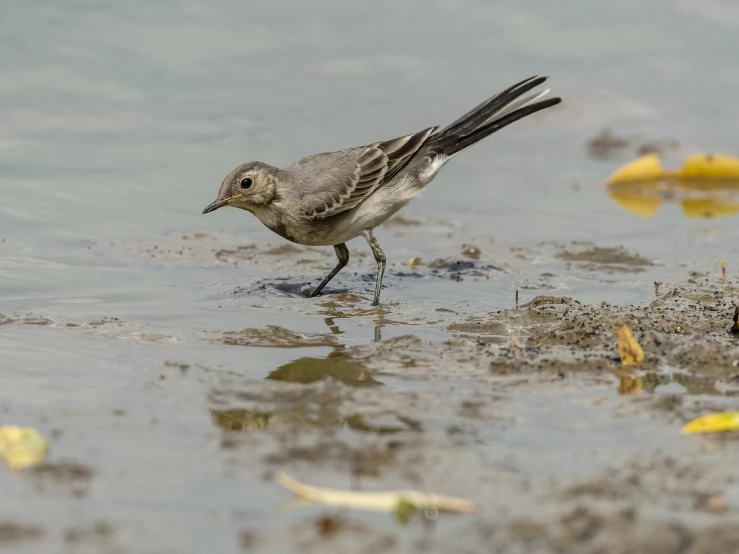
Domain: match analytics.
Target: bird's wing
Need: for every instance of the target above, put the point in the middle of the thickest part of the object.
(341, 180)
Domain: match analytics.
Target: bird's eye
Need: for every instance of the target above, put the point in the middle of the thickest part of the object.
(246, 183)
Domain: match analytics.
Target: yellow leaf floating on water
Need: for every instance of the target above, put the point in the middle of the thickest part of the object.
(710, 166)
(705, 187)
(380, 501)
(628, 348)
(21, 447)
(714, 423)
(696, 166)
(646, 168)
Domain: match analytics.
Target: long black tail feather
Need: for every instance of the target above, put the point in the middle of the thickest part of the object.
(478, 123)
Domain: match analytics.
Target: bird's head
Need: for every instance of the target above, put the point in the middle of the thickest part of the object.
(250, 186)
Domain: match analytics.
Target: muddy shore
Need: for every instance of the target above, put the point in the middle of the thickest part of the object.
(524, 410)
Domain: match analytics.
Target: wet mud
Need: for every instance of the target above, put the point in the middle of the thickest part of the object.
(520, 405)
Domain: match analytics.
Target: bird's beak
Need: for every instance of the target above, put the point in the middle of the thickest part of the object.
(213, 206)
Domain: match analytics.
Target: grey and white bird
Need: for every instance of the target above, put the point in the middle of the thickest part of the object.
(330, 198)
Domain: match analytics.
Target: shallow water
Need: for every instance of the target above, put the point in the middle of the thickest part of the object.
(118, 122)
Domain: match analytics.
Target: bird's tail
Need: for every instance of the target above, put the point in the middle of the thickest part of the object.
(492, 115)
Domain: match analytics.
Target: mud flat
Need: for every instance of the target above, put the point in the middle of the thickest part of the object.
(523, 409)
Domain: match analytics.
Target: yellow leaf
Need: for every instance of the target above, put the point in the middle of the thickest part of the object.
(21, 447)
(414, 261)
(646, 168)
(696, 166)
(628, 348)
(714, 423)
(710, 166)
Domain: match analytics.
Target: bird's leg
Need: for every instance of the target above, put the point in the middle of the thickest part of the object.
(380, 259)
(342, 252)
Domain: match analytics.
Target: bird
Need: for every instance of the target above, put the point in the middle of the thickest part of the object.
(330, 198)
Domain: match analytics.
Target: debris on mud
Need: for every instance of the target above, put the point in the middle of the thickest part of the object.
(67, 477)
(458, 269)
(369, 459)
(606, 258)
(471, 251)
(213, 248)
(683, 329)
(11, 534)
(274, 337)
(338, 365)
(95, 533)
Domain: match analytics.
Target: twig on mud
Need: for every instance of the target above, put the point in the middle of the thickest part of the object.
(381, 501)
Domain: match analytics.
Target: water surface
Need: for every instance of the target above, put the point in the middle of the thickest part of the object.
(118, 121)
